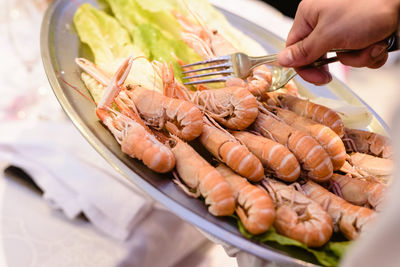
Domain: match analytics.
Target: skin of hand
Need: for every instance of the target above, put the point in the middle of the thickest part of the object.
(323, 25)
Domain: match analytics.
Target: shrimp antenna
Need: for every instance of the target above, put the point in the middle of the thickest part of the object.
(267, 112)
(75, 88)
(194, 15)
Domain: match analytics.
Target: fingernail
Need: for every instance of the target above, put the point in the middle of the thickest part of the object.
(326, 79)
(378, 50)
(286, 57)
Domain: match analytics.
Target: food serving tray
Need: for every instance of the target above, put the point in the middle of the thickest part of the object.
(60, 45)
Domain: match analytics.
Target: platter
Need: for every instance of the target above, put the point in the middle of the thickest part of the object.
(60, 46)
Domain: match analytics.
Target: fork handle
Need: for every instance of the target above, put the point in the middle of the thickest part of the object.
(323, 61)
(268, 59)
(273, 60)
(392, 43)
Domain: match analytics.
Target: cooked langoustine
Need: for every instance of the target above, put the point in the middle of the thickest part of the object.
(230, 151)
(368, 142)
(215, 139)
(255, 208)
(200, 176)
(171, 86)
(259, 81)
(308, 152)
(95, 72)
(369, 165)
(272, 155)
(234, 106)
(316, 112)
(206, 42)
(350, 219)
(297, 216)
(354, 171)
(290, 88)
(179, 117)
(360, 191)
(135, 138)
(325, 136)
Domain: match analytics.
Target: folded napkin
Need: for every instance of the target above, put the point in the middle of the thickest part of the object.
(73, 177)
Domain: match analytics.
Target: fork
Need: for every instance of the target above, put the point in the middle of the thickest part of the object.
(240, 65)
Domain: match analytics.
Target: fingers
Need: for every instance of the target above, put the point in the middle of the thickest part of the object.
(304, 40)
(316, 76)
(379, 63)
(301, 27)
(373, 56)
(305, 51)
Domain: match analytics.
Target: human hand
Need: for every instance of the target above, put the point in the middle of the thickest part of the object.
(323, 25)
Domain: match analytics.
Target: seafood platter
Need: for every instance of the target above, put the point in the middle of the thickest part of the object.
(292, 176)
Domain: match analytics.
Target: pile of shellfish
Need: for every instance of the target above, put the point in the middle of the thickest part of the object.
(279, 159)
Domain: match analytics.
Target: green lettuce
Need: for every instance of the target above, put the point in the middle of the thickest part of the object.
(110, 44)
(132, 13)
(164, 49)
(155, 32)
(211, 17)
(103, 34)
(327, 255)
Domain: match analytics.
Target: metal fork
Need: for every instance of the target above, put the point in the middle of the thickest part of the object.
(240, 65)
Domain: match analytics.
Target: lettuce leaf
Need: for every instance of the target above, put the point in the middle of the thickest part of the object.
(110, 44)
(132, 13)
(211, 17)
(103, 34)
(328, 255)
(155, 32)
(95, 88)
(163, 49)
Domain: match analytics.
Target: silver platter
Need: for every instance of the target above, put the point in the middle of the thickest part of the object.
(60, 46)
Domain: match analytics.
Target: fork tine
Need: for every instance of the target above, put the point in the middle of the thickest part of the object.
(207, 61)
(219, 66)
(209, 74)
(209, 80)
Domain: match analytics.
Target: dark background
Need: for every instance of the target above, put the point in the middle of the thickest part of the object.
(287, 7)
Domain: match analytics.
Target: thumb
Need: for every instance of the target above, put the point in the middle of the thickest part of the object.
(305, 51)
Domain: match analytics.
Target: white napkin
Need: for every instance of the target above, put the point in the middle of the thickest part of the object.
(73, 177)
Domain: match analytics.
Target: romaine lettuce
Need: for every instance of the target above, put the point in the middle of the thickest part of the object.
(110, 44)
(103, 34)
(211, 17)
(156, 33)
